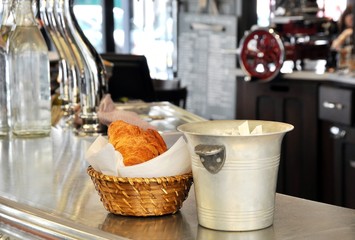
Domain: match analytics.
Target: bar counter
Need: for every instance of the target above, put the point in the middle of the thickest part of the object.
(45, 193)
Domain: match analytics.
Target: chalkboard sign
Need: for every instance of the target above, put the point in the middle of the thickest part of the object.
(206, 65)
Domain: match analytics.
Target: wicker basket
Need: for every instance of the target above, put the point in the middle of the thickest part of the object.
(141, 196)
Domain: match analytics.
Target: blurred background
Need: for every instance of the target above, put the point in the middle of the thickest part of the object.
(149, 27)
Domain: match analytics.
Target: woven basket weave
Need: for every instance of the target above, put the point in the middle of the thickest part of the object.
(141, 196)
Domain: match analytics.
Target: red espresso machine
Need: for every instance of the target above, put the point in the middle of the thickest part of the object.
(295, 38)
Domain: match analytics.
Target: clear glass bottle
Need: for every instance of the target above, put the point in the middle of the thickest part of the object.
(29, 75)
(7, 21)
(5, 29)
(68, 67)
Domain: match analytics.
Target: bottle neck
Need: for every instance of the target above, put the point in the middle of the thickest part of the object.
(5, 12)
(24, 14)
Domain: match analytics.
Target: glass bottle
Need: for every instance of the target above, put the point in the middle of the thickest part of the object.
(7, 20)
(68, 67)
(29, 79)
(5, 29)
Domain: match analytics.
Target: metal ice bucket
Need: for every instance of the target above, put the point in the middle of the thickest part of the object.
(210, 234)
(234, 176)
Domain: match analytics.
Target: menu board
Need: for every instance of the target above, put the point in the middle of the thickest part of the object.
(206, 64)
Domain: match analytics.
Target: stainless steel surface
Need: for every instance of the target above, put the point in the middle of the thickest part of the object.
(45, 190)
(240, 196)
(10, 233)
(163, 115)
(312, 76)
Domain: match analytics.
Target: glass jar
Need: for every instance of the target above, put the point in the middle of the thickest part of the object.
(29, 78)
(6, 25)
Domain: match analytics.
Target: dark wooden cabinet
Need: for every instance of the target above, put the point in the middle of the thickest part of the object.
(336, 105)
(326, 164)
(344, 167)
(318, 156)
(294, 102)
(338, 164)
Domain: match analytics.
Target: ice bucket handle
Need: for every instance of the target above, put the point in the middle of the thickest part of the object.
(212, 157)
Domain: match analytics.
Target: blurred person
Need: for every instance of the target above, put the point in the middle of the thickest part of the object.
(345, 25)
(341, 46)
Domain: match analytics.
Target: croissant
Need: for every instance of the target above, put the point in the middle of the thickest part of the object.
(134, 143)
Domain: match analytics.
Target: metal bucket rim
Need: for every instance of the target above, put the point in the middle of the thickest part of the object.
(193, 127)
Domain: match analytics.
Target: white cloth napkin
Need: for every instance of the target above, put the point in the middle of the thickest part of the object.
(108, 113)
(103, 158)
(244, 130)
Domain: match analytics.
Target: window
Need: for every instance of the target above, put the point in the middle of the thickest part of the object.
(120, 26)
(139, 27)
(152, 35)
(89, 16)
